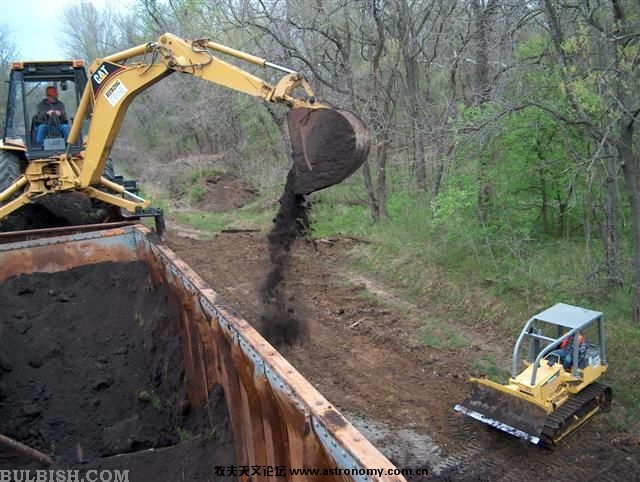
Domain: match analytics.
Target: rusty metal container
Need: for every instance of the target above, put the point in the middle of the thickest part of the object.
(278, 417)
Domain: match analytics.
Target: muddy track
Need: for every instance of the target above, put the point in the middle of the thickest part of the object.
(365, 357)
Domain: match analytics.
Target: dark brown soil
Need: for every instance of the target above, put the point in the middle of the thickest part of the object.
(224, 192)
(279, 322)
(57, 210)
(327, 146)
(364, 354)
(91, 368)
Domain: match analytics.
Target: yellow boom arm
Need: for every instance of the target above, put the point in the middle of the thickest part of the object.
(328, 145)
(114, 84)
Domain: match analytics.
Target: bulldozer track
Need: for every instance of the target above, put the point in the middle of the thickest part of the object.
(575, 412)
(486, 453)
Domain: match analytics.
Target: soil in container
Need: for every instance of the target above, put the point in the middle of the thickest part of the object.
(91, 374)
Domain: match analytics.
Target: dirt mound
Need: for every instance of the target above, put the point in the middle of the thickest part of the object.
(222, 192)
(91, 374)
(31, 216)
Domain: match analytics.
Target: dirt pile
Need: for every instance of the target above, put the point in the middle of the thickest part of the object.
(91, 368)
(223, 192)
(279, 322)
(31, 216)
(54, 211)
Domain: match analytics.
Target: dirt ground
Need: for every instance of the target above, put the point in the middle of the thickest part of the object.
(363, 354)
(98, 384)
(223, 192)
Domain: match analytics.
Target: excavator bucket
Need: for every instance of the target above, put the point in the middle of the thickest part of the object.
(328, 145)
(504, 411)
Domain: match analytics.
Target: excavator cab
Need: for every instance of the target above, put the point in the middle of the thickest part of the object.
(21, 146)
(27, 84)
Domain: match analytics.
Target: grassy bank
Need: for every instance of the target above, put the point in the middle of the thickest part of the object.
(454, 271)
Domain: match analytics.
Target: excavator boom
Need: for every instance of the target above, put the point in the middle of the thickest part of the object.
(322, 135)
(328, 144)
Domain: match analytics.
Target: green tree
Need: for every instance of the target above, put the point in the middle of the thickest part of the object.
(597, 52)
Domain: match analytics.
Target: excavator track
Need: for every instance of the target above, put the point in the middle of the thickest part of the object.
(574, 413)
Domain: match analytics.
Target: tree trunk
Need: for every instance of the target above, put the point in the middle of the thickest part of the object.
(481, 85)
(630, 164)
(630, 174)
(609, 228)
(544, 200)
(440, 165)
(481, 88)
(374, 205)
(381, 166)
(411, 67)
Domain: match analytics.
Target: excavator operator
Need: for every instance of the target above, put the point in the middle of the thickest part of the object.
(51, 114)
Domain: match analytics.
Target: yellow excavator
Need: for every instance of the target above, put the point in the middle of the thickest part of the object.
(557, 392)
(328, 144)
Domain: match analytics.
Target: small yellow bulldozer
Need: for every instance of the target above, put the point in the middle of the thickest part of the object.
(557, 392)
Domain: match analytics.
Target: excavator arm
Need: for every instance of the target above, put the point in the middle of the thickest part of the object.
(114, 84)
(327, 144)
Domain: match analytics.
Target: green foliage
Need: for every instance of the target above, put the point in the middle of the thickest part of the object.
(183, 434)
(455, 205)
(150, 397)
(196, 194)
(335, 218)
(525, 180)
(213, 434)
(490, 368)
(623, 343)
(533, 47)
(202, 221)
(443, 336)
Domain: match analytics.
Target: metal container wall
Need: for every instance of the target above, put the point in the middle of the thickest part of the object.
(278, 417)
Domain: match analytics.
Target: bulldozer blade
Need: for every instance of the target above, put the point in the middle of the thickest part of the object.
(328, 145)
(509, 413)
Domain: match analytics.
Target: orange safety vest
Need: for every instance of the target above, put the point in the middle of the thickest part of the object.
(568, 341)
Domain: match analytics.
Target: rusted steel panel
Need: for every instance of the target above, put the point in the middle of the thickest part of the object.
(231, 383)
(277, 417)
(274, 425)
(60, 253)
(17, 236)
